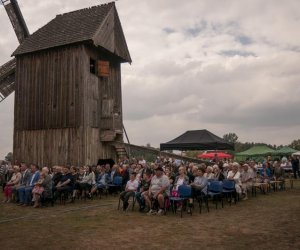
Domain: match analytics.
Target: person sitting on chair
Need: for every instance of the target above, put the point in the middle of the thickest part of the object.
(102, 181)
(42, 187)
(130, 189)
(235, 176)
(65, 184)
(158, 191)
(279, 174)
(12, 183)
(209, 173)
(181, 179)
(25, 176)
(199, 186)
(24, 193)
(144, 187)
(246, 179)
(218, 173)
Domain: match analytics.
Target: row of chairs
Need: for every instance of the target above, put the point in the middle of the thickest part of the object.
(216, 191)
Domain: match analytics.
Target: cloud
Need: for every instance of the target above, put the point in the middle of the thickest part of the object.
(195, 66)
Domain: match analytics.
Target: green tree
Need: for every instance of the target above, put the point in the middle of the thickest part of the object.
(230, 137)
(9, 157)
(295, 144)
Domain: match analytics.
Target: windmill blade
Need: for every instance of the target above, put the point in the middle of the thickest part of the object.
(15, 15)
(7, 79)
(7, 71)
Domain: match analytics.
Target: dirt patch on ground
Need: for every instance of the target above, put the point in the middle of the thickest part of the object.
(262, 222)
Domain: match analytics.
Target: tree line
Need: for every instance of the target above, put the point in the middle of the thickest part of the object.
(242, 146)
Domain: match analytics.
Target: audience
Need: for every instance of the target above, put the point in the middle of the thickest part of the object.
(29, 186)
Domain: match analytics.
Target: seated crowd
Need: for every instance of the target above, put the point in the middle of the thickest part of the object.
(150, 184)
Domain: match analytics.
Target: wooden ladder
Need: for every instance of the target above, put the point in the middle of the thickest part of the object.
(121, 151)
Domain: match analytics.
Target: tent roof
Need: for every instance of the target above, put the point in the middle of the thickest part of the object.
(257, 150)
(285, 150)
(197, 140)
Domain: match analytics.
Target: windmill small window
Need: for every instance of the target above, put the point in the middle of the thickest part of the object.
(92, 66)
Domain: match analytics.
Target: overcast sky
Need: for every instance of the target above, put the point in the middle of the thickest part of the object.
(226, 66)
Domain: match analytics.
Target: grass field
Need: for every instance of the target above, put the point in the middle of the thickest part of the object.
(263, 222)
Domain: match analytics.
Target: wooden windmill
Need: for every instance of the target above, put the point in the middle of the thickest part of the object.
(67, 82)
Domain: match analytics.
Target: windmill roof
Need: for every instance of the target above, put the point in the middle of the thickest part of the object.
(99, 24)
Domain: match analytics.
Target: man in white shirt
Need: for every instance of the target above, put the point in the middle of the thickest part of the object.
(158, 190)
(235, 175)
(130, 189)
(246, 179)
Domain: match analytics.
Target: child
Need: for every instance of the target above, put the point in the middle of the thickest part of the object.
(38, 190)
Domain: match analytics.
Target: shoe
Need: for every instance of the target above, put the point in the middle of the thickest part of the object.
(160, 212)
(245, 198)
(189, 211)
(151, 212)
(4, 201)
(36, 205)
(178, 209)
(20, 204)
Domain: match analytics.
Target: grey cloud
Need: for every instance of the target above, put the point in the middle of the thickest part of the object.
(236, 53)
(197, 29)
(168, 30)
(245, 40)
(184, 73)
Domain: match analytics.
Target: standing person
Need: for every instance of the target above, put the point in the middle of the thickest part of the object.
(13, 182)
(295, 166)
(3, 172)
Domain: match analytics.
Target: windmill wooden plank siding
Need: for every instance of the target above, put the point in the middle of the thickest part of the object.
(62, 107)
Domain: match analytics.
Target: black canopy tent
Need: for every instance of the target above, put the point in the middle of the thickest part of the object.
(197, 140)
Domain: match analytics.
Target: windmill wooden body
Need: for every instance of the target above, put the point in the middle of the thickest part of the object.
(67, 82)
